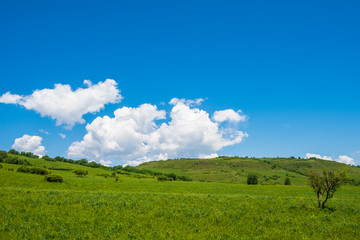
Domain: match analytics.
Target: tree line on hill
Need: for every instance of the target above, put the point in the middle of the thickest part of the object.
(4, 157)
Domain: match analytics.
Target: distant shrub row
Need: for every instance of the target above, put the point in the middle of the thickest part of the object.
(82, 162)
(131, 169)
(5, 158)
(33, 170)
(26, 154)
(252, 179)
(164, 178)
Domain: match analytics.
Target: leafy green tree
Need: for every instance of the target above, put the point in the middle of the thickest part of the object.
(82, 161)
(13, 151)
(3, 155)
(325, 184)
(287, 181)
(80, 172)
(252, 179)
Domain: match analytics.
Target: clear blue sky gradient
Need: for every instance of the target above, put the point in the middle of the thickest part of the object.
(293, 67)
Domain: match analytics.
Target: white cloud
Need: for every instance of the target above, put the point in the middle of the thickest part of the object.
(63, 136)
(66, 106)
(134, 137)
(342, 158)
(10, 98)
(213, 155)
(187, 102)
(43, 131)
(105, 163)
(228, 115)
(312, 155)
(29, 143)
(345, 159)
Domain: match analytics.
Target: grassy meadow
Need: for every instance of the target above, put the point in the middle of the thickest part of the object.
(140, 207)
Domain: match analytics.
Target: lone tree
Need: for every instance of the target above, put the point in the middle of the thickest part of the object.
(252, 179)
(326, 184)
(81, 172)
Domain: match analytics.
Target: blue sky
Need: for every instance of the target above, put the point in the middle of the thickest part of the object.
(292, 68)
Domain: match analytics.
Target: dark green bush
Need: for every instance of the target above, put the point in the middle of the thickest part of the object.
(252, 179)
(164, 178)
(80, 172)
(33, 170)
(184, 178)
(1, 166)
(287, 181)
(53, 178)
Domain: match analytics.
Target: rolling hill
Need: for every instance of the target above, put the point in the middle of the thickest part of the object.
(236, 169)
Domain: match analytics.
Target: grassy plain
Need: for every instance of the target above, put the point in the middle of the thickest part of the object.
(95, 207)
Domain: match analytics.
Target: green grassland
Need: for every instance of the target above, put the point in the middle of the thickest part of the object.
(140, 207)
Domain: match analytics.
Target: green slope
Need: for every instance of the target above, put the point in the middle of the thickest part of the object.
(236, 169)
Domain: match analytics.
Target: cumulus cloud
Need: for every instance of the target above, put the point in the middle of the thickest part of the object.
(65, 105)
(63, 136)
(29, 143)
(345, 159)
(312, 155)
(134, 136)
(228, 115)
(105, 163)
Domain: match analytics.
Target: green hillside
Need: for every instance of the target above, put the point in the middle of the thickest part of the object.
(236, 169)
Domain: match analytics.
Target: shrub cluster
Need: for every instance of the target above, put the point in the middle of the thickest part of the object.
(33, 170)
(53, 178)
(81, 172)
(131, 169)
(164, 178)
(273, 177)
(252, 179)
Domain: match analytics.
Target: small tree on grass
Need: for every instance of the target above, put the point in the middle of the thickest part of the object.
(326, 184)
(287, 181)
(252, 179)
(80, 172)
